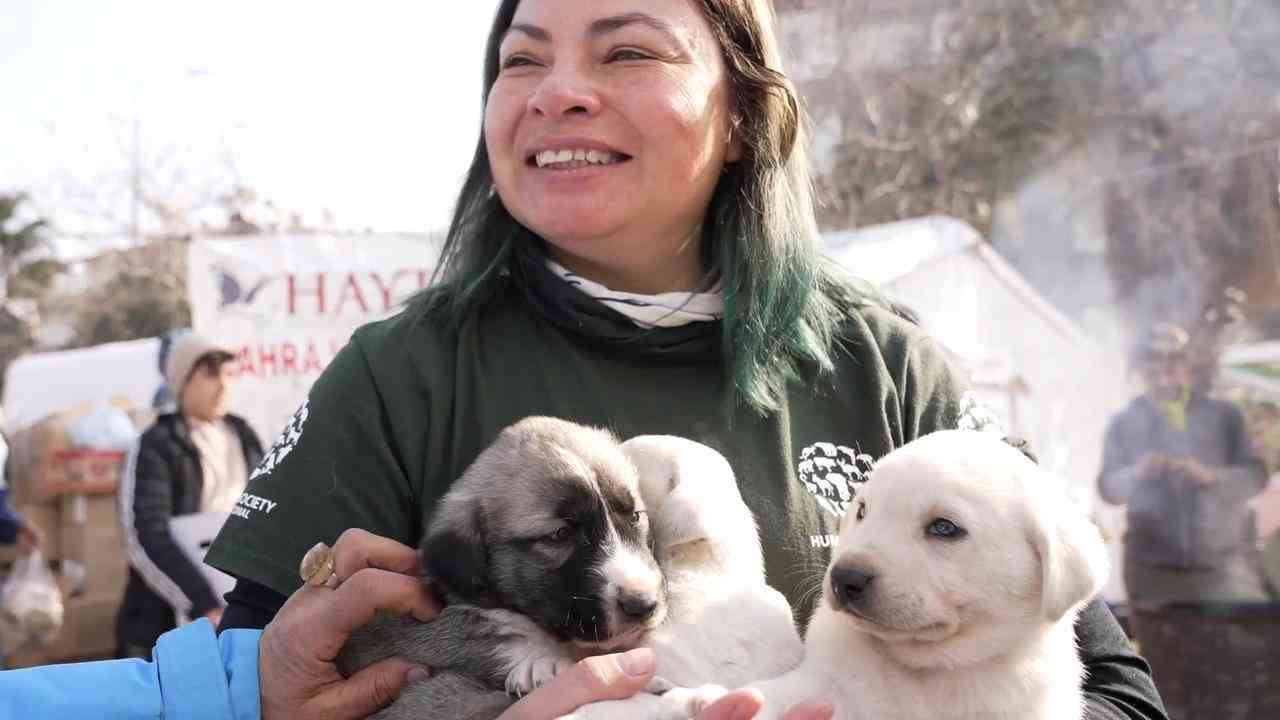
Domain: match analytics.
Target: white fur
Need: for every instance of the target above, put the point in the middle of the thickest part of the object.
(724, 624)
(982, 627)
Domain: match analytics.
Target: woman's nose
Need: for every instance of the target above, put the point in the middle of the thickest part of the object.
(565, 90)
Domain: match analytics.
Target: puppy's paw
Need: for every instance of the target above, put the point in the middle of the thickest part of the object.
(533, 672)
(683, 703)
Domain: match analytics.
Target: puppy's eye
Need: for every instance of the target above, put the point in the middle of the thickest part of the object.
(562, 534)
(637, 517)
(862, 510)
(944, 529)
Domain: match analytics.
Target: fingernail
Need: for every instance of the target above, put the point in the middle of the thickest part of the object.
(418, 673)
(636, 662)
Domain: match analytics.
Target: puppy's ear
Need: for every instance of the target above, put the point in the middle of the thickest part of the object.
(455, 553)
(1073, 558)
(689, 513)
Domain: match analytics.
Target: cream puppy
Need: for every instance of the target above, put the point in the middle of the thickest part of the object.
(724, 625)
(952, 593)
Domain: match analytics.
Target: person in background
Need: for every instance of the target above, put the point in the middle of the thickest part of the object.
(196, 459)
(14, 530)
(1185, 465)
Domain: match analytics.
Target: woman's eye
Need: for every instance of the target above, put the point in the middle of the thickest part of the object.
(945, 529)
(516, 61)
(862, 510)
(561, 534)
(627, 54)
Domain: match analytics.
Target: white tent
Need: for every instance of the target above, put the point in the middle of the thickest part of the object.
(1049, 383)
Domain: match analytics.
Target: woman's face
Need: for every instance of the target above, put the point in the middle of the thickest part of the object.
(607, 130)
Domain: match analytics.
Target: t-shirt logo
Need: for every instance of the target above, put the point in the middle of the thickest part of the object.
(285, 444)
(832, 473)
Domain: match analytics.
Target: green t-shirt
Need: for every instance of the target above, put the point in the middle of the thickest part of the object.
(408, 404)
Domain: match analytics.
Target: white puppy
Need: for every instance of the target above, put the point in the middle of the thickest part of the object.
(724, 624)
(952, 593)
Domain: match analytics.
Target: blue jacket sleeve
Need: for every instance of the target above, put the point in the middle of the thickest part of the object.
(195, 676)
(9, 520)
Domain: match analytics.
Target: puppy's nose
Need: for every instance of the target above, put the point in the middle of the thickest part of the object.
(638, 605)
(849, 583)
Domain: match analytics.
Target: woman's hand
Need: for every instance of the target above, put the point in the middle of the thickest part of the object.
(296, 672)
(30, 538)
(614, 677)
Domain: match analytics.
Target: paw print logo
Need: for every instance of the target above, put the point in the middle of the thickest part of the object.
(285, 444)
(832, 473)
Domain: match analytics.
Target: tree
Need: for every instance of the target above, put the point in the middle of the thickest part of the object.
(1153, 120)
(19, 239)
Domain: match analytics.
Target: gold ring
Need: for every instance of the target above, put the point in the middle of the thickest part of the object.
(316, 567)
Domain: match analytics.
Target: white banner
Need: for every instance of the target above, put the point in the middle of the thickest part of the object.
(287, 304)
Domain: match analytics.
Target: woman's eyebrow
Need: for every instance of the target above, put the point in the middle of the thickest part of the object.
(603, 26)
(533, 31)
(613, 23)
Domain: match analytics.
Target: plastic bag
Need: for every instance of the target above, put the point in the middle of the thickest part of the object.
(30, 604)
(105, 427)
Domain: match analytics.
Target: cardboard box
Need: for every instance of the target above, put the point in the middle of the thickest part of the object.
(83, 470)
(84, 532)
(94, 560)
(31, 452)
(44, 462)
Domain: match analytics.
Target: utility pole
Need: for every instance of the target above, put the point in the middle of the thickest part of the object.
(135, 180)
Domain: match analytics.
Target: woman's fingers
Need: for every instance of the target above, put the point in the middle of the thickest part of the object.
(360, 597)
(604, 677)
(367, 691)
(297, 675)
(358, 549)
(737, 705)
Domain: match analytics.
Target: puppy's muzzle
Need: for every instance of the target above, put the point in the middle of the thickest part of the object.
(851, 586)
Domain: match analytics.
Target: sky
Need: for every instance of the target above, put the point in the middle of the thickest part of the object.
(368, 110)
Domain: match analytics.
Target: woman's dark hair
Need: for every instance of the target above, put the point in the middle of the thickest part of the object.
(783, 300)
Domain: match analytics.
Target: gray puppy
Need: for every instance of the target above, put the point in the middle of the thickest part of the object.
(542, 554)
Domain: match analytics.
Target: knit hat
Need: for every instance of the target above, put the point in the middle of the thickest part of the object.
(1162, 341)
(183, 357)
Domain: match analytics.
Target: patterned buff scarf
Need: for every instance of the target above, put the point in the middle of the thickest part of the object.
(651, 311)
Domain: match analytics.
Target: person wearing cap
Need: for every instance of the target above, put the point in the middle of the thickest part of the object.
(195, 459)
(1185, 466)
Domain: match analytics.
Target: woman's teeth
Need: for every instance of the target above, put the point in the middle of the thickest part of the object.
(573, 159)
